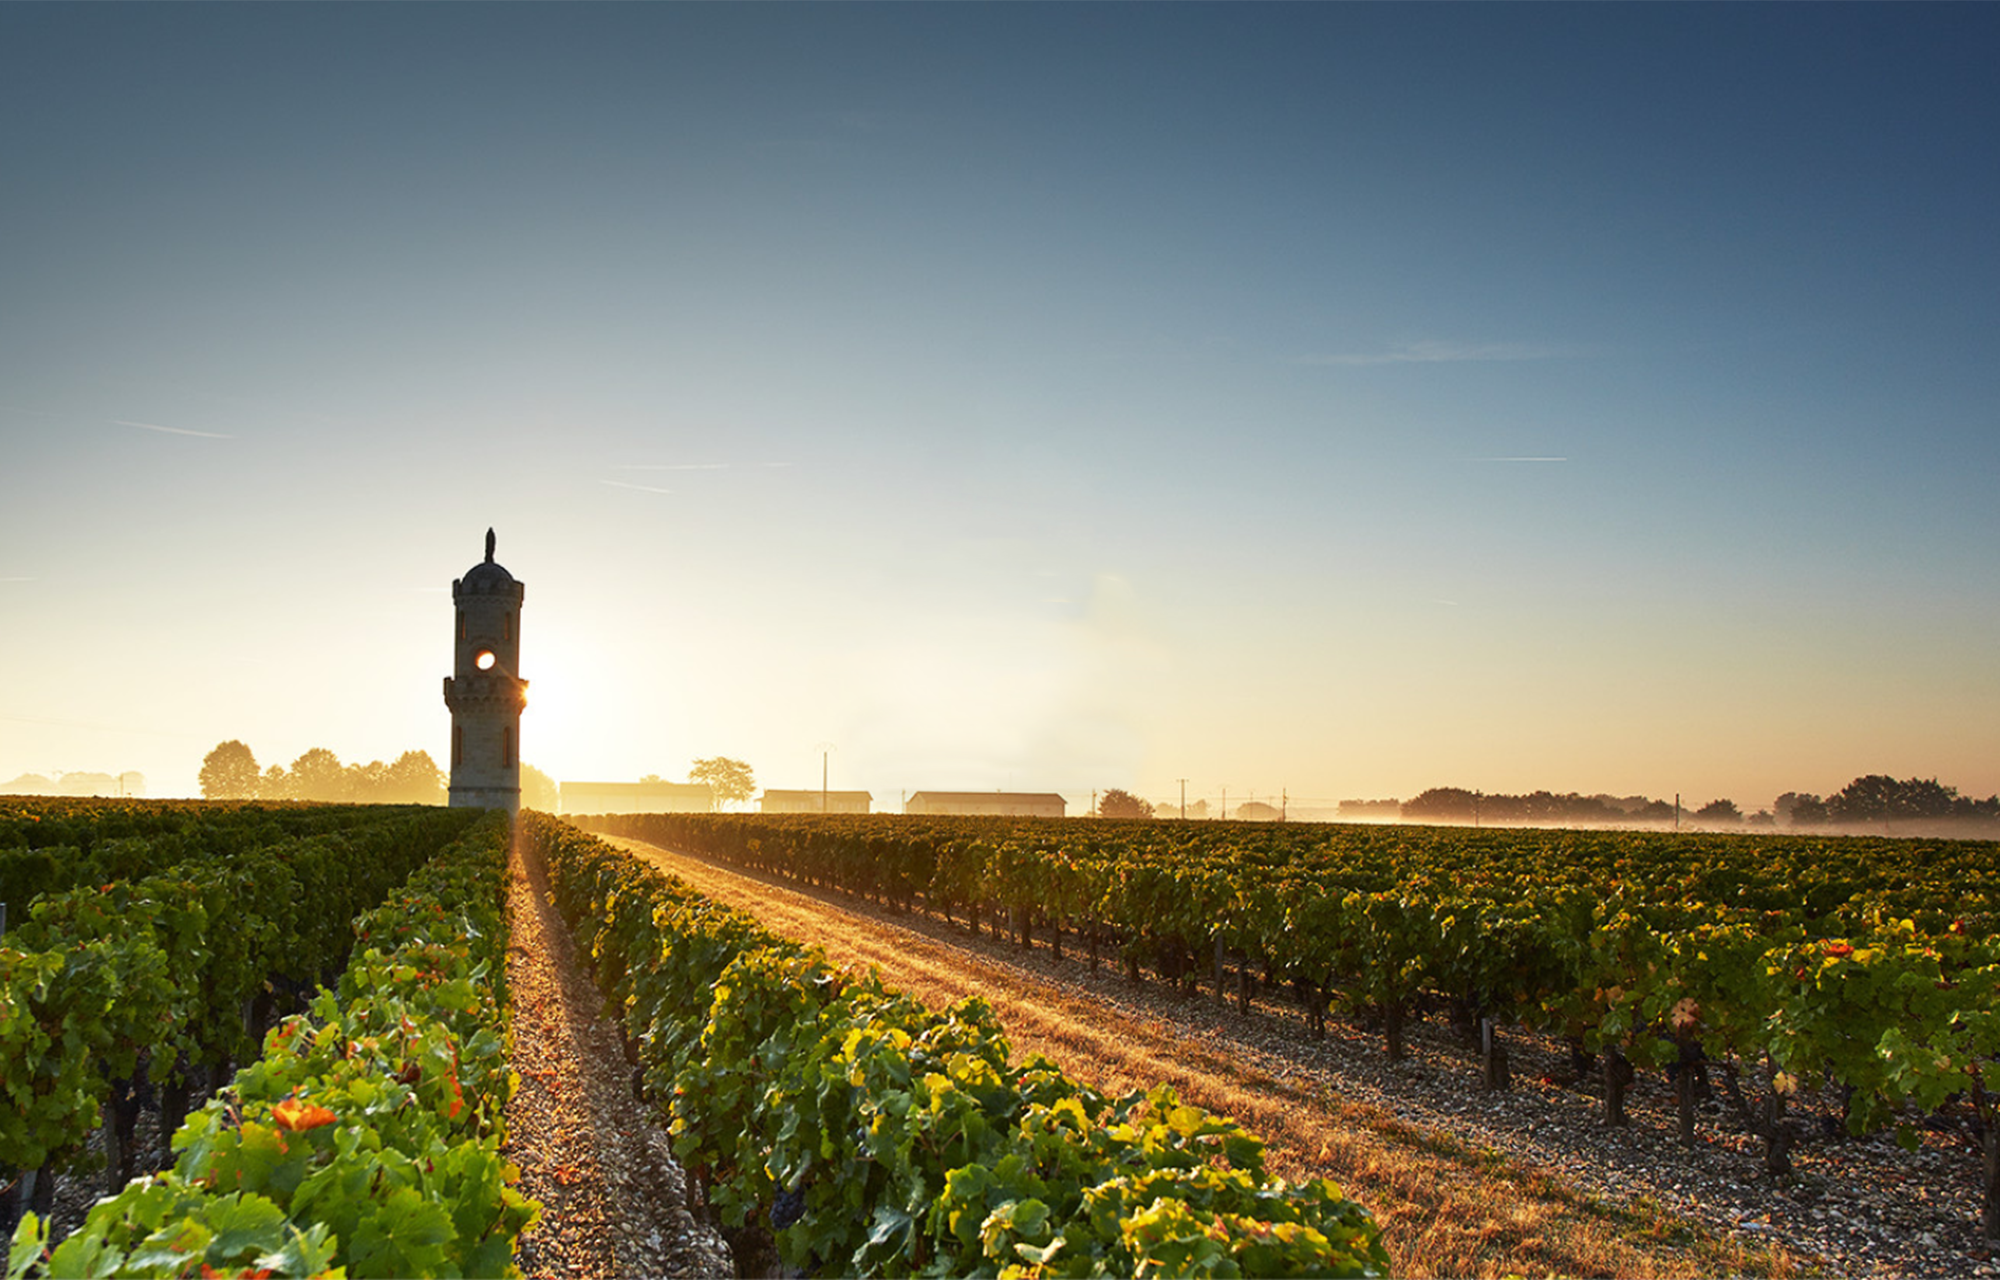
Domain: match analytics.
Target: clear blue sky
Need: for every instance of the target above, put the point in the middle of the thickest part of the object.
(1338, 399)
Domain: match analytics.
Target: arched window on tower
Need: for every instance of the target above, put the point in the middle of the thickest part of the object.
(461, 624)
(457, 746)
(507, 626)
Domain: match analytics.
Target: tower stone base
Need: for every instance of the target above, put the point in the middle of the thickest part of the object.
(508, 798)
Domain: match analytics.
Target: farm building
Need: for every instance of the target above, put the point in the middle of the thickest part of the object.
(813, 801)
(637, 797)
(1001, 804)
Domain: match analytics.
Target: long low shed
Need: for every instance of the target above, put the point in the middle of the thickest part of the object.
(814, 801)
(996, 804)
(637, 797)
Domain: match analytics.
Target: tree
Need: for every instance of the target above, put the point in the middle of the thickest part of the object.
(1441, 803)
(318, 775)
(414, 778)
(1800, 809)
(1652, 811)
(1719, 811)
(365, 783)
(538, 790)
(729, 779)
(1966, 807)
(229, 772)
(1120, 803)
(276, 784)
(1880, 798)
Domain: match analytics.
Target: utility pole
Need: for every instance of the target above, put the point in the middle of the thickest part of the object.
(825, 749)
(1225, 801)
(1183, 782)
(1093, 803)
(1475, 811)
(1284, 804)
(1677, 811)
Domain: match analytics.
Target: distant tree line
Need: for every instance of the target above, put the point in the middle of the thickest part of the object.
(231, 772)
(1880, 798)
(1876, 798)
(1456, 804)
(129, 783)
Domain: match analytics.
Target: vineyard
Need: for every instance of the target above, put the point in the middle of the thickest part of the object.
(1757, 967)
(323, 976)
(313, 1001)
(870, 1135)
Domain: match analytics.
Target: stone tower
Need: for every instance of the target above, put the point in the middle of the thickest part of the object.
(485, 691)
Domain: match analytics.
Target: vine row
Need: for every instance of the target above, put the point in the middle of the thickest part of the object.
(119, 993)
(870, 1135)
(366, 1139)
(1774, 962)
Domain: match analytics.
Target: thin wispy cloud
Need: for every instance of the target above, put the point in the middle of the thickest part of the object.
(693, 466)
(172, 431)
(673, 466)
(1518, 459)
(1443, 353)
(642, 488)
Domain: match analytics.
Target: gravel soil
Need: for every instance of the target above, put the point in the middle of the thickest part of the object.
(1853, 1206)
(614, 1202)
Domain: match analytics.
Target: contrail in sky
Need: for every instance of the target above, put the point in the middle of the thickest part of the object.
(1517, 459)
(172, 431)
(642, 488)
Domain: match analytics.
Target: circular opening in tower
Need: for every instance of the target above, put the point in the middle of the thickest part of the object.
(483, 660)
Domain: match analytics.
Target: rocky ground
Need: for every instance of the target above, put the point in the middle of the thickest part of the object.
(1856, 1206)
(614, 1202)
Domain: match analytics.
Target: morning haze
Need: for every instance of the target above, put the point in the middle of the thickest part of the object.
(1312, 402)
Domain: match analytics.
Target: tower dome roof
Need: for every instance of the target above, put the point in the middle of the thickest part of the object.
(486, 575)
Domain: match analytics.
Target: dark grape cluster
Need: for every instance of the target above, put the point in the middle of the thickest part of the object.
(788, 1208)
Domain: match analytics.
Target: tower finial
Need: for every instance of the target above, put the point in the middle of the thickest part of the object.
(489, 546)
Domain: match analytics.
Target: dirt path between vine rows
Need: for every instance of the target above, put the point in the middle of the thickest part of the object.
(614, 1202)
(1464, 1183)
